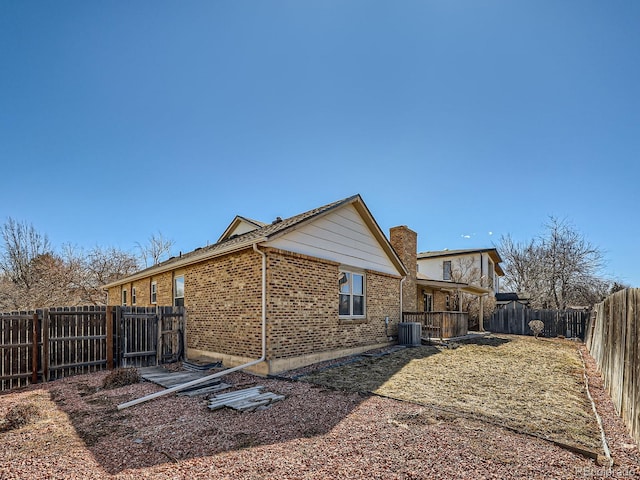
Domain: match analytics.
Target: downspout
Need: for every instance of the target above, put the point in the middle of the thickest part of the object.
(193, 383)
(401, 282)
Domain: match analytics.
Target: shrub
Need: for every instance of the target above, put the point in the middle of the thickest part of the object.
(536, 326)
(20, 415)
(121, 377)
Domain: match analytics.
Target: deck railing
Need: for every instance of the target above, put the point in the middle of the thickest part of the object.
(439, 324)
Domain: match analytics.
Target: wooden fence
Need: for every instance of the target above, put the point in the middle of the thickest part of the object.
(568, 323)
(53, 343)
(439, 324)
(613, 339)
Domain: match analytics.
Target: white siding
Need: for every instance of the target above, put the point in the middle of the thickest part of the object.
(432, 267)
(242, 227)
(341, 236)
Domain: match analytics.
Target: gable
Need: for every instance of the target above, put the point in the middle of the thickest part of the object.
(341, 236)
(239, 226)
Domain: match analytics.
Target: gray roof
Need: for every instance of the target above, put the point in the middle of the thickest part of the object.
(450, 253)
(242, 241)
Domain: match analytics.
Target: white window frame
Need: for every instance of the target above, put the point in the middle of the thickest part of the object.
(176, 297)
(124, 297)
(153, 294)
(133, 295)
(351, 294)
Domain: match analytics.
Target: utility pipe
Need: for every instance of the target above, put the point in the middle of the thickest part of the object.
(198, 381)
(401, 282)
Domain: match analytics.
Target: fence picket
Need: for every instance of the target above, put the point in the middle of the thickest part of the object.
(569, 323)
(53, 343)
(613, 341)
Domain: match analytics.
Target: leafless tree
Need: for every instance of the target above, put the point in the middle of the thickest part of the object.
(156, 247)
(33, 275)
(465, 270)
(558, 269)
(23, 244)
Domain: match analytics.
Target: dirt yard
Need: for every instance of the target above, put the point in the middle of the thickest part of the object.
(334, 430)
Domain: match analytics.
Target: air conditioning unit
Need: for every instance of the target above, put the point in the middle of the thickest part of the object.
(409, 334)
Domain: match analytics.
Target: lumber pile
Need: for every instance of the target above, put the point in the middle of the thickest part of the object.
(246, 400)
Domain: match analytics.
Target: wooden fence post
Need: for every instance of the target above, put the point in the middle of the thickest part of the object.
(34, 349)
(45, 345)
(117, 320)
(109, 333)
(185, 318)
(159, 324)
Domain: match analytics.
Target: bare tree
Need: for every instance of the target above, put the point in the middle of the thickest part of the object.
(558, 269)
(465, 270)
(104, 265)
(33, 275)
(23, 244)
(156, 247)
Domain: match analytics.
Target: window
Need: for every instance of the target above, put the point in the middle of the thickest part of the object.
(428, 302)
(154, 292)
(447, 303)
(133, 295)
(351, 294)
(446, 270)
(178, 291)
(124, 298)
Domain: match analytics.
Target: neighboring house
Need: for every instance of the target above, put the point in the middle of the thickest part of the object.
(436, 281)
(326, 283)
(512, 301)
(474, 266)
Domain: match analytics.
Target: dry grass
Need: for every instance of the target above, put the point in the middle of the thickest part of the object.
(20, 415)
(530, 385)
(121, 377)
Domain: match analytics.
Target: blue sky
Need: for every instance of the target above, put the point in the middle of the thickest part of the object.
(455, 118)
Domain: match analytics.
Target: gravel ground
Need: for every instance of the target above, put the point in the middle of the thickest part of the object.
(315, 433)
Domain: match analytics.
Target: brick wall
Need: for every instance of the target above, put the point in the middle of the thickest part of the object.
(223, 297)
(303, 307)
(405, 242)
(164, 283)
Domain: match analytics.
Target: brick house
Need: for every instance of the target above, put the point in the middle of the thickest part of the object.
(319, 285)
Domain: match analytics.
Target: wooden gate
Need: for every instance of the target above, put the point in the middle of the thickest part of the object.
(150, 336)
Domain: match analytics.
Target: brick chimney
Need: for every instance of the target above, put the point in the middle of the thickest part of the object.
(405, 242)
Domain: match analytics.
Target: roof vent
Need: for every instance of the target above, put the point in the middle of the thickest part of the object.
(277, 220)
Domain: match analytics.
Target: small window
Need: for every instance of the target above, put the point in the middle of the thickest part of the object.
(124, 298)
(352, 294)
(133, 295)
(178, 291)
(154, 292)
(447, 303)
(446, 270)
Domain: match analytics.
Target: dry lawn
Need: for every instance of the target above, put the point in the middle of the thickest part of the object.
(534, 386)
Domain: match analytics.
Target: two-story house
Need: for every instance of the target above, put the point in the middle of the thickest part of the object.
(455, 287)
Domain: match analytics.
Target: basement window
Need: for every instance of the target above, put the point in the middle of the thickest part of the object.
(178, 291)
(352, 294)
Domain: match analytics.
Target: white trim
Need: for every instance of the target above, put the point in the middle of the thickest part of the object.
(153, 290)
(362, 274)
